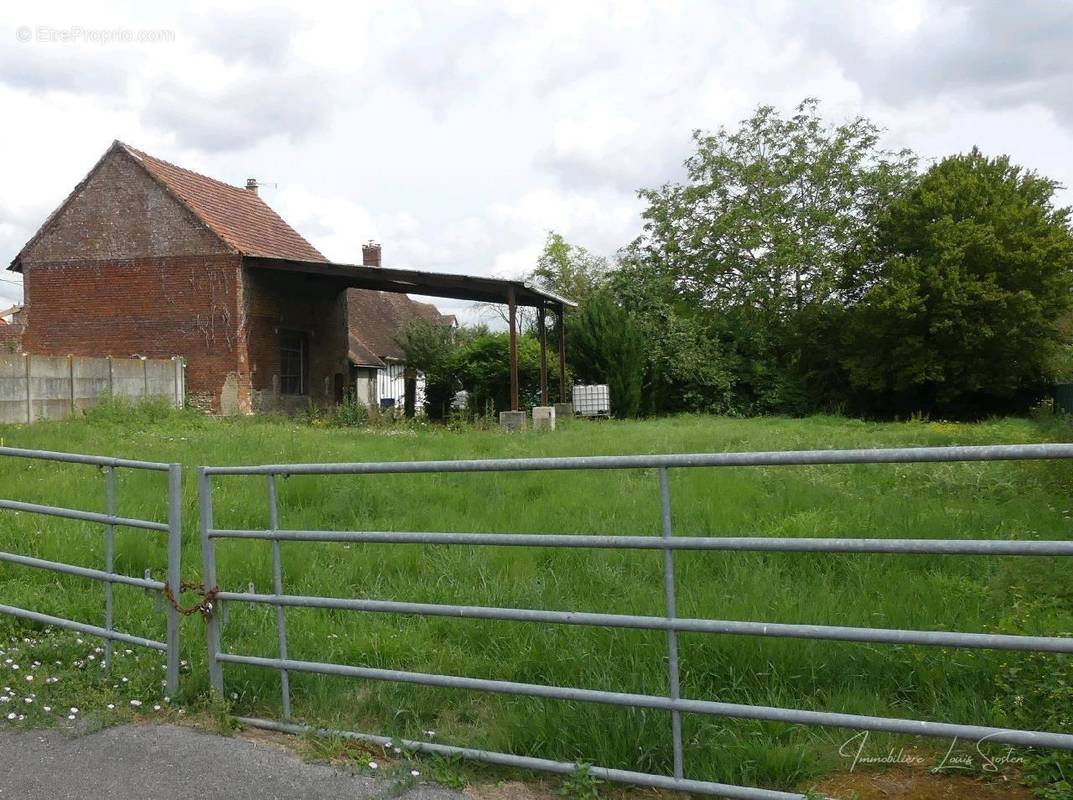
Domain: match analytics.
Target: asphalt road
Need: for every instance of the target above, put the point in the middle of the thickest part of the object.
(167, 762)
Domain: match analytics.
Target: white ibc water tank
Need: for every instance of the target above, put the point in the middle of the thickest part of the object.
(592, 401)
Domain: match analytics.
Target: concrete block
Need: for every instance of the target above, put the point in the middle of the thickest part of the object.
(128, 377)
(512, 420)
(544, 418)
(564, 411)
(160, 378)
(229, 405)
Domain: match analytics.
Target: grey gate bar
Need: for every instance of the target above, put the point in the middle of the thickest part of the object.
(108, 576)
(667, 543)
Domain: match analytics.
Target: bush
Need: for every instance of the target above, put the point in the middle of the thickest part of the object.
(351, 413)
(482, 367)
(606, 346)
(142, 413)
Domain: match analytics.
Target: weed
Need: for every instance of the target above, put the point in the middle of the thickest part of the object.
(1037, 691)
(581, 784)
(451, 772)
(351, 413)
(220, 713)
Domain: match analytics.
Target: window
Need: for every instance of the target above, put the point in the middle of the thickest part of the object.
(293, 362)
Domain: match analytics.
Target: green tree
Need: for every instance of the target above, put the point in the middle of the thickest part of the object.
(775, 215)
(606, 346)
(754, 255)
(429, 348)
(569, 270)
(482, 367)
(685, 365)
(960, 315)
(427, 345)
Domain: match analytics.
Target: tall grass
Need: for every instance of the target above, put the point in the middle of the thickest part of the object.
(1000, 500)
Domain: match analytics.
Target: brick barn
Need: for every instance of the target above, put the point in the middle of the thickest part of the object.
(146, 258)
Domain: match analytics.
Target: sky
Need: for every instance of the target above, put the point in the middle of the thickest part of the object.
(458, 134)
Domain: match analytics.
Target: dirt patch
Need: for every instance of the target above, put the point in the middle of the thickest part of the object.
(548, 789)
(893, 783)
(905, 783)
(274, 739)
(511, 790)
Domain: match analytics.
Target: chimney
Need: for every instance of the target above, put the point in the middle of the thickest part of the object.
(251, 185)
(370, 254)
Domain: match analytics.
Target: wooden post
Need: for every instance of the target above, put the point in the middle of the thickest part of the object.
(541, 324)
(111, 378)
(512, 308)
(409, 392)
(562, 355)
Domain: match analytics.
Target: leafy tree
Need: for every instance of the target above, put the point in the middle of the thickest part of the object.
(427, 345)
(429, 348)
(960, 315)
(564, 269)
(754, 255)
(775, 215)
(482, 367)
(606, 346)
(685, 367)
(569, 270)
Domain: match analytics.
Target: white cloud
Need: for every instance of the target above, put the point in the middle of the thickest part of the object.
(459, 133)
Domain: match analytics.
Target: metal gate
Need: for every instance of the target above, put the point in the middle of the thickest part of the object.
(108, 576)
(666, 544)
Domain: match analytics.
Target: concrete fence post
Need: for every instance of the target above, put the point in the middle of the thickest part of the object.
(177, 377)
(29, 394)
(71, 378)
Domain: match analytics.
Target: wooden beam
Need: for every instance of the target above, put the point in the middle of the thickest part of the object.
(404, 281)
(562, 355)
(541, 323)
(512, 308)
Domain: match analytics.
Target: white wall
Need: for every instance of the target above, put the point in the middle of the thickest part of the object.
(391, 383)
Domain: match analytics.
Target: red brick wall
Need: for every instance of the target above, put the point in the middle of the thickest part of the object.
(287, 301)
(157, 307)
(125, 269)
(119, 212)
(10, 337)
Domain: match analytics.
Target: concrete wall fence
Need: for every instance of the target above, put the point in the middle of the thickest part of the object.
(54, 387)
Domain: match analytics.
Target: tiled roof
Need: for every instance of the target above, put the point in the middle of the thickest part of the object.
(374, 319)
(360, 355)
(237, 215)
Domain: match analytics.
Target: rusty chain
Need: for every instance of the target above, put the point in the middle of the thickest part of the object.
(204, 606)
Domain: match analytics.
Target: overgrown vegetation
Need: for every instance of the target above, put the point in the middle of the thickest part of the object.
(800, 267)
(1002, 500)
(474, 359)
(606, 346)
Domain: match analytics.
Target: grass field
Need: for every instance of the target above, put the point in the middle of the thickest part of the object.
(1016, 595)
